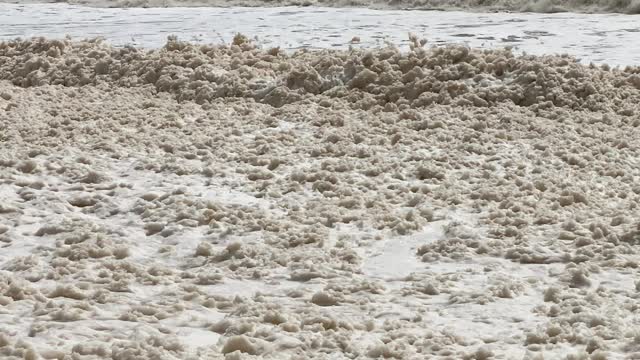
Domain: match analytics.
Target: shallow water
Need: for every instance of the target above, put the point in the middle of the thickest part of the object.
(600, 38)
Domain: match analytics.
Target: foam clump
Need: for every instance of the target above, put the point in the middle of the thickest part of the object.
(239, 343)
(323, 299)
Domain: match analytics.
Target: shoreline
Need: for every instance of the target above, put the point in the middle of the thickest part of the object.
(595, 38)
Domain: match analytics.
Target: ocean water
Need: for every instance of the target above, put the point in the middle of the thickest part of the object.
(598, 38)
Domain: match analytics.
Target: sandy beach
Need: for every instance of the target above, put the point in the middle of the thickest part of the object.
(232, 202)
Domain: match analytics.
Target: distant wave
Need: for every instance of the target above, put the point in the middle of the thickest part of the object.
(539, 6)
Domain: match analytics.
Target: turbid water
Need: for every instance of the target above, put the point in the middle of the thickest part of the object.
(602, 38)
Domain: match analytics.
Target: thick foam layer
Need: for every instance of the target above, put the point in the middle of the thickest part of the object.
(230, 202)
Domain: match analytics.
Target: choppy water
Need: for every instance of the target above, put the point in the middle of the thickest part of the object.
(600, 38)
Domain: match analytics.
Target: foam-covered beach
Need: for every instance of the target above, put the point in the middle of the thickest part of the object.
(227, 201)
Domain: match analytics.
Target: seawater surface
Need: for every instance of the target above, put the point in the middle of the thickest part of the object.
(599, 38)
